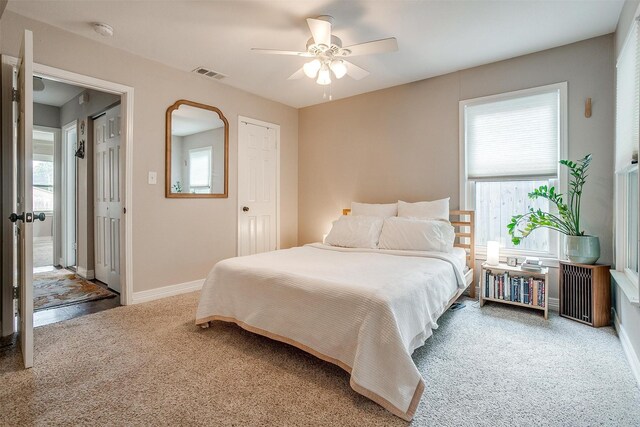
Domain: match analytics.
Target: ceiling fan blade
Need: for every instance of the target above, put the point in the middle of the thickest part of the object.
(373, 47)
(297, 75)
(321, 31)
(281, 52)
(355, 72)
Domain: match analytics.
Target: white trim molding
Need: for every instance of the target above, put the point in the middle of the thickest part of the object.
(467, 188)
(632, 357)
(628, 288)
(167, 291)
(87, 274)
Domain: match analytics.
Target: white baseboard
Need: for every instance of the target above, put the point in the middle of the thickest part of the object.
(87, 274)
(632, 357)
(167, 291)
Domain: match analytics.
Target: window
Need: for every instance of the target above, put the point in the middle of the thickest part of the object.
(632, 221)
(43, 147)
(42, 186)
(200, 170)
(627, 143)
(511, 144)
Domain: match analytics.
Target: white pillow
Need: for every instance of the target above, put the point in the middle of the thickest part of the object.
(371, 209)
(355, 232)
(438, 209)
(417, 235)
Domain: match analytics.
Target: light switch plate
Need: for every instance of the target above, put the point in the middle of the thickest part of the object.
(153, 177)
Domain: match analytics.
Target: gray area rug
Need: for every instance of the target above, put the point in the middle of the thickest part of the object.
(149, 365)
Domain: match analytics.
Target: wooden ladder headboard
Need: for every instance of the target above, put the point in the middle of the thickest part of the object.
(464, 224)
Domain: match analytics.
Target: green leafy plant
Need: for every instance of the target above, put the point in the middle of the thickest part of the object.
(567, 220)
(177, 187)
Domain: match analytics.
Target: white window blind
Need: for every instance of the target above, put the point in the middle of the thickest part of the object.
(200, 167)
(513, 138)
(627, 99)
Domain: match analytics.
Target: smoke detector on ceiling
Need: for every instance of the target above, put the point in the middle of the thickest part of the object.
(38, 84)
(103, 29)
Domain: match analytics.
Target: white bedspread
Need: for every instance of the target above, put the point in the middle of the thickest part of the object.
(364, 310)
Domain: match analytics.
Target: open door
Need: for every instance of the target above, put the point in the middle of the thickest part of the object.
(24, 216)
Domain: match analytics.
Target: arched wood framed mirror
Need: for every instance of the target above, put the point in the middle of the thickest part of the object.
(197, 151)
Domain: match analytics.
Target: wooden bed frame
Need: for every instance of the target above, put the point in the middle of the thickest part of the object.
(464, 224)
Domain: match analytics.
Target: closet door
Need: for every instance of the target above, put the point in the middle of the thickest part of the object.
(257, 187)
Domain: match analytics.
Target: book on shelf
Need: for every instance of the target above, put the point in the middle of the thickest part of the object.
(516, 288)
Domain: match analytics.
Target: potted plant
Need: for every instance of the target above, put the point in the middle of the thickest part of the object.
(580, 247)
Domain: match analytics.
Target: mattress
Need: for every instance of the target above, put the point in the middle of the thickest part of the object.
(364, 310)
(461, 256)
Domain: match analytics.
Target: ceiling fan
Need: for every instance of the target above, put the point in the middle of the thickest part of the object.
(328, 54)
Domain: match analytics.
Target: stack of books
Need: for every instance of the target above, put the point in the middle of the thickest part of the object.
(525, 290)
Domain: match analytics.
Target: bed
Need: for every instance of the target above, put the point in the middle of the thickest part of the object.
(365, 310)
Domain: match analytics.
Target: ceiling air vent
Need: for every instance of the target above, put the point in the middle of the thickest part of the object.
(209, 73)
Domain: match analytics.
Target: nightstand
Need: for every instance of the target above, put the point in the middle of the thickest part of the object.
(514, 286)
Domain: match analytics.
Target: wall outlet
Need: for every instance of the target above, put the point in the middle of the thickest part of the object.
(153, 177)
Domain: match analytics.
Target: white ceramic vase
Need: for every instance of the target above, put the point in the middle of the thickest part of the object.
(582, 249)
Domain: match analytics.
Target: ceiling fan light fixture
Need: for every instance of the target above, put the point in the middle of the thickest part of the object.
(311, 68)
(324, 76)
(339, 68)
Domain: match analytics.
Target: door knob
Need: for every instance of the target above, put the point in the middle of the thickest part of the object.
(39, 216)
(15, 217)
(245, 209)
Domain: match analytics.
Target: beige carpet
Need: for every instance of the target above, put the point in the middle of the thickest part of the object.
(149, 365)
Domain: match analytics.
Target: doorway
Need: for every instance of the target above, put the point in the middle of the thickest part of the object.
(10, 153)
(66, 282)
(68, 203)
(44, 165)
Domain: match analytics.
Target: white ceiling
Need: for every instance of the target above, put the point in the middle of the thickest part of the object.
(434, 37)
(188, 120)
(56, 93)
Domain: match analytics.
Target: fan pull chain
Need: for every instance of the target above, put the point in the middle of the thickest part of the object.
(324, 94)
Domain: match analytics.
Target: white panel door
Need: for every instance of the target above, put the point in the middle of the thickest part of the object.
(257, 188)
(107, 197)
(23, 218)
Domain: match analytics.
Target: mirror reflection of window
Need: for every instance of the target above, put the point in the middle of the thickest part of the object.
(197, 151)
(200, 170)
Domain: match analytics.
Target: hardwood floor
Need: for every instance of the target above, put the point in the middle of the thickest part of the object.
(53, 315)
(58, 314)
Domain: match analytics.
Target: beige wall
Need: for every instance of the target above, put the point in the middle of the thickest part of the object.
(46, 115)
(174, 240)
(402, 142)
